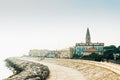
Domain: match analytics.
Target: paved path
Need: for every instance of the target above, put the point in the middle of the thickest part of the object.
(59, 72)
(112, 66)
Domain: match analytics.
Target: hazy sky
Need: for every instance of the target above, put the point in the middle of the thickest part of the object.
(56, 24)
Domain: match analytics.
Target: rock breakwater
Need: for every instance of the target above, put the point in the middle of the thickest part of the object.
(26, 70)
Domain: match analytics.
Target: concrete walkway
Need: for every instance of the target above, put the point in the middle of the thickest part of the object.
(63, 73)
(59, 72)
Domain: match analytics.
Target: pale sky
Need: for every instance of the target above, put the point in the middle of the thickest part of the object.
(56, 24)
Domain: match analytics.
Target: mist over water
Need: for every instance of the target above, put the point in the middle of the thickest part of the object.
(4, 71)
(6, 53)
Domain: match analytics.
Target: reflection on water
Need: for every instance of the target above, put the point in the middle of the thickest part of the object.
(4, 71)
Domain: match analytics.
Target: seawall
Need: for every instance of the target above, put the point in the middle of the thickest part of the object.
(26, 70)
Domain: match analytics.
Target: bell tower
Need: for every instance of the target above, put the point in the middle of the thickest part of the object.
(88, 39)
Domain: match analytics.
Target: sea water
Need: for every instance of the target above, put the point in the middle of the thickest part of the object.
(4, 71)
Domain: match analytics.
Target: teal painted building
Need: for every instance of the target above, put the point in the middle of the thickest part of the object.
(88, 47)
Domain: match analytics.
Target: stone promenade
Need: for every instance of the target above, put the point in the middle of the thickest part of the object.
(91, 70)
(86, 70)
(58, 72)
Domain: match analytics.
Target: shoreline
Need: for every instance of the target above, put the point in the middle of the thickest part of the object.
(26, 70)
(5, 71)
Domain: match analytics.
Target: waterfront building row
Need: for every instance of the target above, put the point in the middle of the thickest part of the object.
(80, 49)
(64, 53)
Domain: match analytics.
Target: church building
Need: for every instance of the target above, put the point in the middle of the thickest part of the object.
(88, 47)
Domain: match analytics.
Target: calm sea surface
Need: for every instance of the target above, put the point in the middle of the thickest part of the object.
(4, 71)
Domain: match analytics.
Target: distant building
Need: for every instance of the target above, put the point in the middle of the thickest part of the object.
(38, 53)
(64, 53)
(88, 47)
(53, 54)
(67, 53)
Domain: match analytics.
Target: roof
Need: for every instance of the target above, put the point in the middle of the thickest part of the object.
(91, 50)
(91, 44)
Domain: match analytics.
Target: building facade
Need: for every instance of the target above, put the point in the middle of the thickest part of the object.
(67, 53)
(64, 53)
(88, 47)
(38, 53)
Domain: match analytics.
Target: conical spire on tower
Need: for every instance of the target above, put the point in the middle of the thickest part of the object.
(88, 39)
